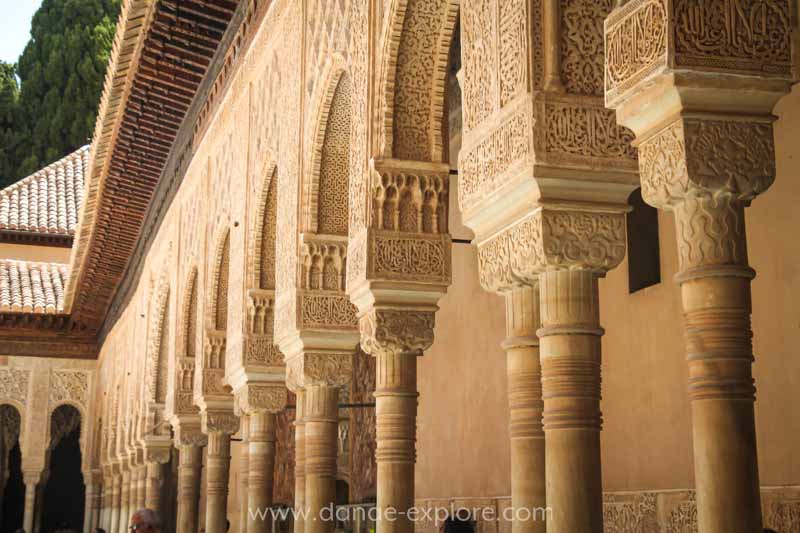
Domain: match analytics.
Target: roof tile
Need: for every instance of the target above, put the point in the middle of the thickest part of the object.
(27, 287)
(49, 200)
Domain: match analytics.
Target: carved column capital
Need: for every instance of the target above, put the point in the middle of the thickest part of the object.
(396, 330)
(702, 156)
(331, 368)
(219, 422)
(552, 239)
(262, 397)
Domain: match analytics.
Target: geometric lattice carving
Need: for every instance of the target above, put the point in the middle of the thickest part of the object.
(335, 163)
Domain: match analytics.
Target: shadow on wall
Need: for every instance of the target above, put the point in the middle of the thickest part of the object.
(11, 512)
(65, 492)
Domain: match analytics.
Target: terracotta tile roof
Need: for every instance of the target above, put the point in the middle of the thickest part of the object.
(27, 287)
(49, 200)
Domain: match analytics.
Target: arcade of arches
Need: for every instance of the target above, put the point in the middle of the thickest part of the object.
(358, 253)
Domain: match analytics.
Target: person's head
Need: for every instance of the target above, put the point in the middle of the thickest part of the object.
(145, 521)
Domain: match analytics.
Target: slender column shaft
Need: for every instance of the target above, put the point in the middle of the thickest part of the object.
(300, 461)
(396, 418)
(141, 487)
(322, 428)
(219, 458)
(97, 506)
(105, 498)
(189, 464)
(244, 473)
(715, 289)
(154, 482)
(88, 513)
(125, 501)
(262, 467)
(30, 502)
(525, 410)
(115, 502)
(570, 358)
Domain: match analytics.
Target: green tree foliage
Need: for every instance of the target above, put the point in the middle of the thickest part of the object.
(9, 118)
(61, 76)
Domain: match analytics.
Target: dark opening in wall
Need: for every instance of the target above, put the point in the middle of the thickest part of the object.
(644, 254)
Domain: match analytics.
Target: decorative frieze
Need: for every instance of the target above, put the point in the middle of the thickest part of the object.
(326, 311)
(722, 36)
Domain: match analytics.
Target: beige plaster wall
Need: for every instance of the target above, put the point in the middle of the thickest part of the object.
(27, 252)
(646, 440)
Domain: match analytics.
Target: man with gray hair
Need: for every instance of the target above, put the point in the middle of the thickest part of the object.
(145, 521)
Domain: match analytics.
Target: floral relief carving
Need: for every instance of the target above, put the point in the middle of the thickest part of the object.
(636, 513)
(704, 155)
(69, 385)
(219, 421)
(582, 54)
(587, 240)
(396, 330)
(551, 239)
(332, 369)
(783, 515)
(636, 42)
(14, 385)
(263, 397)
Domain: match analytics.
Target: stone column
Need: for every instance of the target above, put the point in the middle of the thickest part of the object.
(153, 484)
(262, 468)
(219, 457)
(570, 355)
(321, 445)
(115, 503)
(190, 464)
(141, 486)
(105, 503)
(706, 151)
(396, 337)
(31, 481)
(525, 408)
(89, 505)
(300, 460)
(125, 500)
(244, 472)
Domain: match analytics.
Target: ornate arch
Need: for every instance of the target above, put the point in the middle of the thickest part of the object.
(218, 308)
(262, 243)
(11, 426)
(61, 422)
(158, 344)
(413, 78)
(331, 143)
